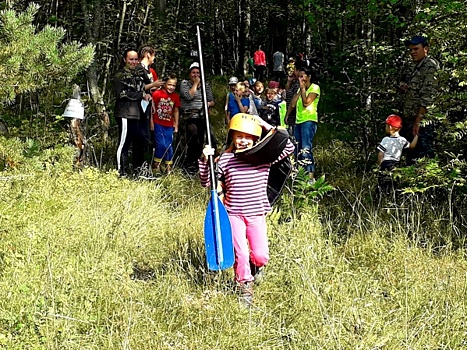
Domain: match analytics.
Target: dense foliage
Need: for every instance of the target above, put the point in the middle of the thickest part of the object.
(356, 47)
(36, 60)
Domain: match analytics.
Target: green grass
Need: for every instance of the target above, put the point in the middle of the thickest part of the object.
(92, 261)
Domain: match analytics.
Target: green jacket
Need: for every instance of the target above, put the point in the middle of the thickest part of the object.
(422, 87)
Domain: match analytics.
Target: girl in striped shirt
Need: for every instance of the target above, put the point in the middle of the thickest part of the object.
(244, 189)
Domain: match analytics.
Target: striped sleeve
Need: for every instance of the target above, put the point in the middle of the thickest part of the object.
(288, 150)
(204, 173)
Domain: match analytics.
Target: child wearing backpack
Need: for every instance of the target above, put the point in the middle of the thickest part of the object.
(243, 186)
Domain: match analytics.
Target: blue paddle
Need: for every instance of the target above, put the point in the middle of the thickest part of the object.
(217, 229)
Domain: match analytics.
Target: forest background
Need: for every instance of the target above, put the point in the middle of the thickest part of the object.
(373, 273)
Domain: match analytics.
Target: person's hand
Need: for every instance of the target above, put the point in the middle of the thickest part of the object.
(147, 97)
(208, 151)
(264, 124)
(159, 83)
(196, 81)
(302, 83)
(175, 128)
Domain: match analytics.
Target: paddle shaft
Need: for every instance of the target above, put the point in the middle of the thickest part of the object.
(205, 107)
(212, 174)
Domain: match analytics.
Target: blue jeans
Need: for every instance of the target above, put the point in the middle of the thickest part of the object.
(304, 134)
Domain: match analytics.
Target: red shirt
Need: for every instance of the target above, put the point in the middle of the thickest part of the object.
(154, 74)
(164, 104)
(259, 58)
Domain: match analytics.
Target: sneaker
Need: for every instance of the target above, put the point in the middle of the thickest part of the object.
(246, 294)
(144, 172)
(311, 182)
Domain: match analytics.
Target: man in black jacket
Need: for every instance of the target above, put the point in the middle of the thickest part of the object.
(129, 90)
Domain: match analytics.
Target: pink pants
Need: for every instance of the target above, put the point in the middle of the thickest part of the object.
(250, 243)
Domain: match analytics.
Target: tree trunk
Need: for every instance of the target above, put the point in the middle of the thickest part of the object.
(122, 21)
(92, 25)
(244, 39)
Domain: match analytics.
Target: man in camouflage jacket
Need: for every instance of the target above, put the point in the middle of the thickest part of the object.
(420, 92)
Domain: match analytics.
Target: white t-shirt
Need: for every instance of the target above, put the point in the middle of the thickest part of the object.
(392, 147)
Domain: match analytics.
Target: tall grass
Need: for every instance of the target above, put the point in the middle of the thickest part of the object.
(92, 261)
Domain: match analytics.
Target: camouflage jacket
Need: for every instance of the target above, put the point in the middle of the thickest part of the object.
(422, 87)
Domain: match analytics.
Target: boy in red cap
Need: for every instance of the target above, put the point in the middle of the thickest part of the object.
(390, 149)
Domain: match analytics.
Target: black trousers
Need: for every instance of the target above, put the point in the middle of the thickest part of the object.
(194, 129)
(259, 73)
(426, 142)
(131, 134)
(386, 183)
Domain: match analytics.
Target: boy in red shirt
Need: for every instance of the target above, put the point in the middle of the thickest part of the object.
(166, 104)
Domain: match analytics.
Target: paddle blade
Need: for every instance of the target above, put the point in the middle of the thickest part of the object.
(218, 235)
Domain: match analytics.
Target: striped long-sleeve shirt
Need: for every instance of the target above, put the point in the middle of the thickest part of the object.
(245, 184)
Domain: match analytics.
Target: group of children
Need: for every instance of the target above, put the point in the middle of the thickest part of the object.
(250, 96)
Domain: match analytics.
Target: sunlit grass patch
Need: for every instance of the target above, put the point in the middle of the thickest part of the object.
(92, 261)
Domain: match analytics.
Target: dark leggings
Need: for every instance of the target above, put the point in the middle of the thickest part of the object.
(195, 131)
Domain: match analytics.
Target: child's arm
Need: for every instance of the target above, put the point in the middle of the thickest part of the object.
(414, 142)
(264, 124)
(307, 98)
(241, 107)
(292, 105)
(380, 157)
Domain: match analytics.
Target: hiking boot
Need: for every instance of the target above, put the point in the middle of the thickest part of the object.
(246, 294)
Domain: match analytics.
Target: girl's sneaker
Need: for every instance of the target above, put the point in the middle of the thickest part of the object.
(246, 294)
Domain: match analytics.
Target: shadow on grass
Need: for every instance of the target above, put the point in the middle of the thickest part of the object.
(187, 261)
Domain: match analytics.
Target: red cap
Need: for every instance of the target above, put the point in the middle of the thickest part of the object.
(273, 84)
(394, 120)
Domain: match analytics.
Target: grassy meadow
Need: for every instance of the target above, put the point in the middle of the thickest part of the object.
(92, 261)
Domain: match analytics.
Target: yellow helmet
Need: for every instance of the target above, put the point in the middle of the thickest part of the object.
(246, 123)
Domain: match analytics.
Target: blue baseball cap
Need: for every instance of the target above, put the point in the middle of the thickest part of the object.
(417, 40)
